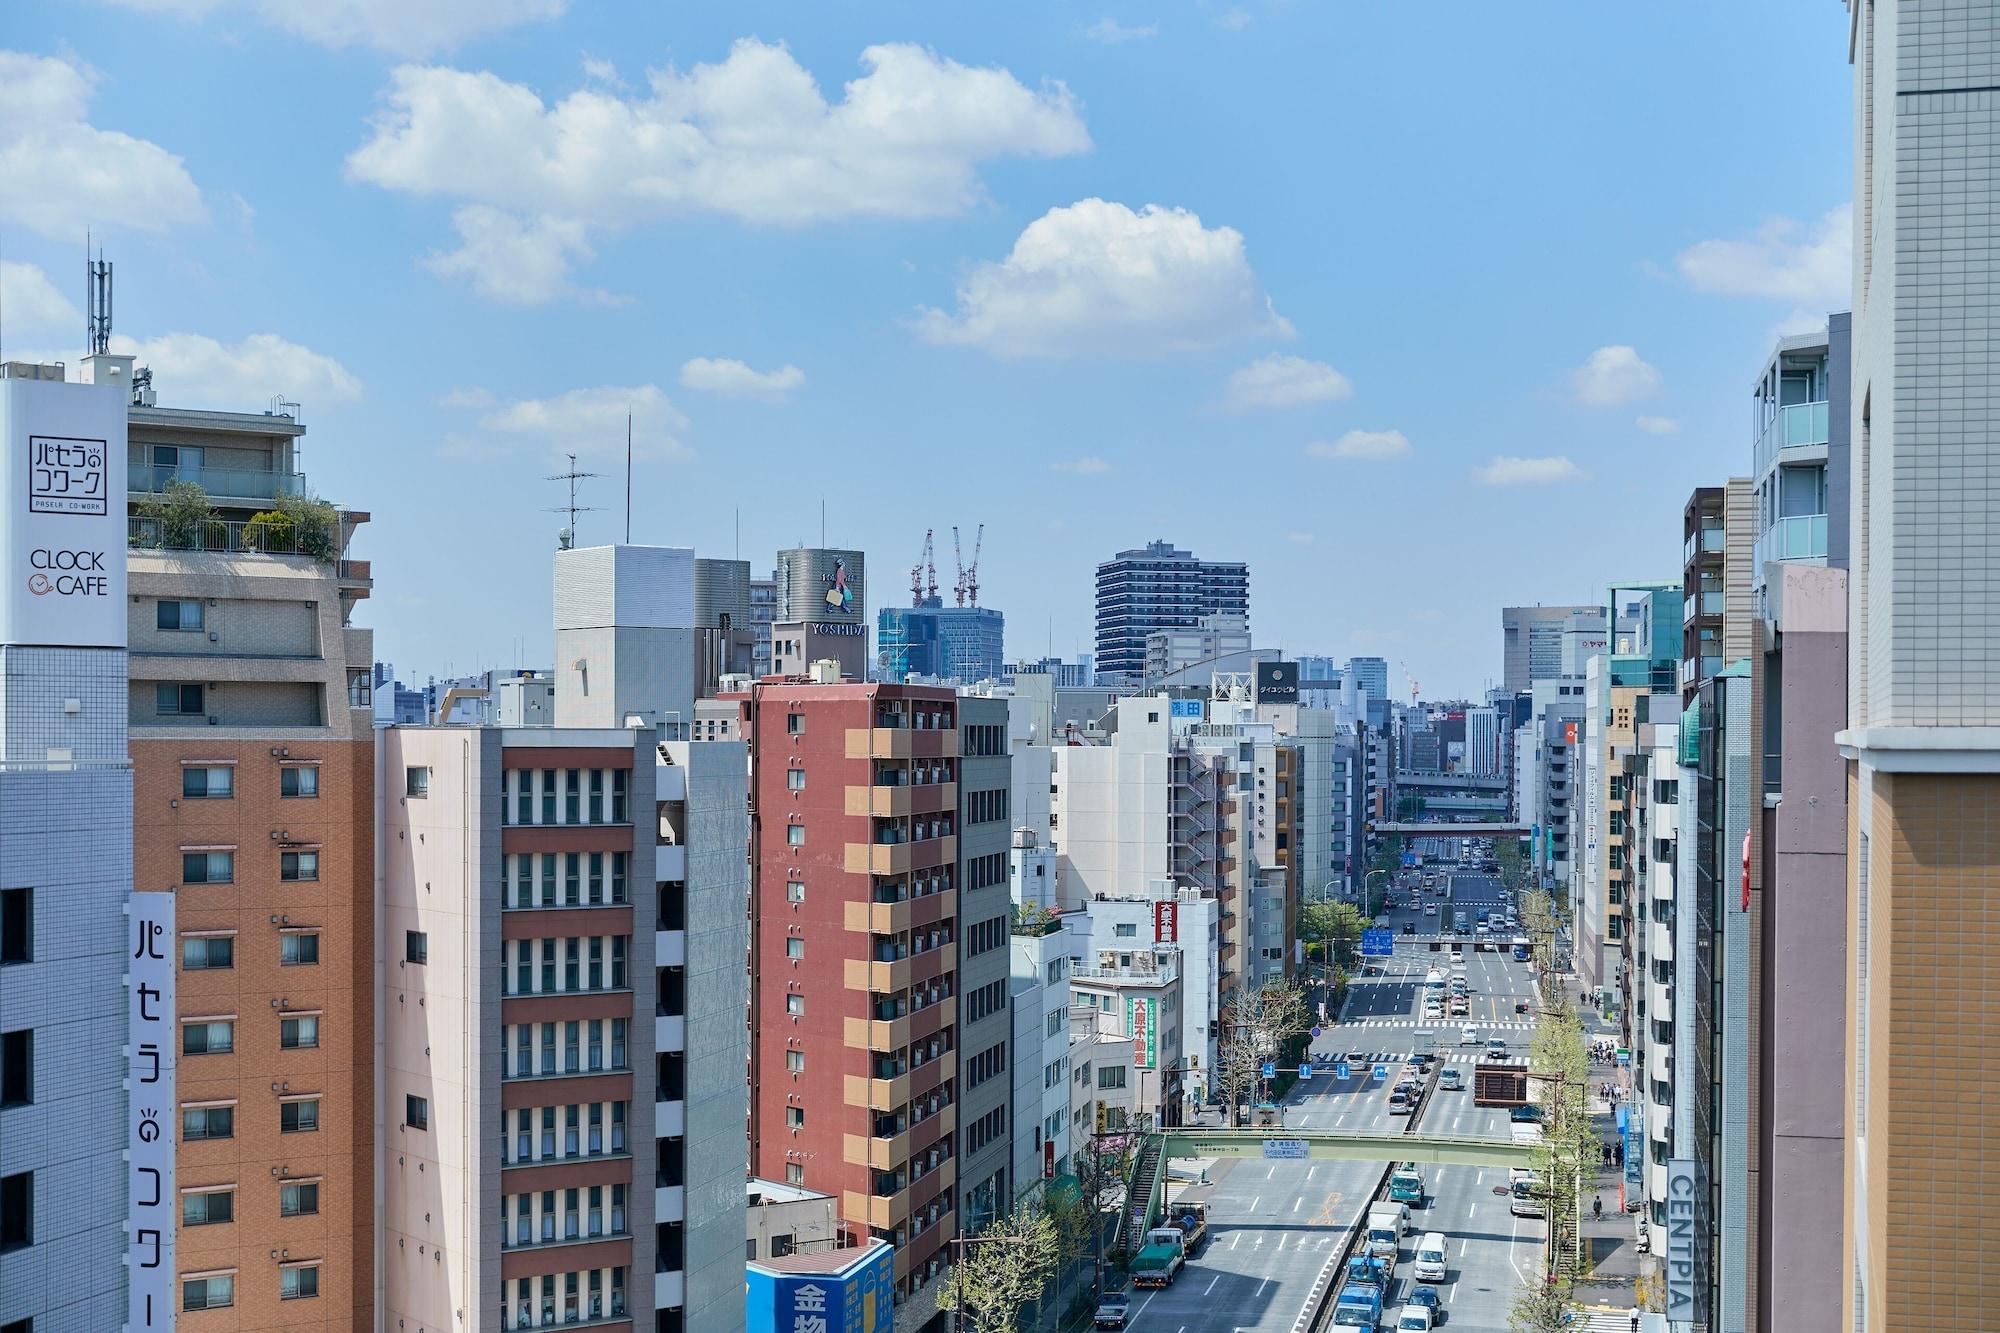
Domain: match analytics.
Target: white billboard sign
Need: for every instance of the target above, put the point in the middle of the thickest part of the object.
(62, 514)
(1683, 1216)
(152, 1118)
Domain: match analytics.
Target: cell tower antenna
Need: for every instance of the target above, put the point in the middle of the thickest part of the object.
(97, 290)
(567, 538)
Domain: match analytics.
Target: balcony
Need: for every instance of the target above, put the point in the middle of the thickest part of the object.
(884, 1036)
(240, 537)
(219, 482)
(1802, 537)
(1798, 426)
(1659, 941)
(1659, 1002)
(670, 1032)
(877, 1094)
(898, 858)
(1711, 542)
(892, 1151)
(902, 742)
(901, 802)
(670, 1119)
(895, 918)
(886, 978)
(670, 948)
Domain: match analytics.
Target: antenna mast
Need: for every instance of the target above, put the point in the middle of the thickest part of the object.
(97, 290)
(566, 539)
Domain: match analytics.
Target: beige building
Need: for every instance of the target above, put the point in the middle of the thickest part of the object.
(1923, 735)
(253, 793)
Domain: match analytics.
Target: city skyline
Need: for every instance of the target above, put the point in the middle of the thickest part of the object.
(859, 319)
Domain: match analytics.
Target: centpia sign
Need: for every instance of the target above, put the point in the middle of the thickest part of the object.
(62, 501)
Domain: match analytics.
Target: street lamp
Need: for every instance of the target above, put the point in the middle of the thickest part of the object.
(1367, 909)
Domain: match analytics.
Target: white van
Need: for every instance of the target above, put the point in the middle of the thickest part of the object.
(1386, 1224)
(1430, 1257)
(1468, 1036)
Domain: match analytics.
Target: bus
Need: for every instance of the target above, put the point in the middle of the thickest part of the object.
(1521, 948)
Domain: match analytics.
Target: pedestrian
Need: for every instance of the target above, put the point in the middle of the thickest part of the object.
(1635, 1319)
(1597, 1208)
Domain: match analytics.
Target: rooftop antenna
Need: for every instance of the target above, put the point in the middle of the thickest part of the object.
(628, 478)
(97, 293)
(566, 539)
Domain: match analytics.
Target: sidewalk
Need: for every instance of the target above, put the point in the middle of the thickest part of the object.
(1612, 1255)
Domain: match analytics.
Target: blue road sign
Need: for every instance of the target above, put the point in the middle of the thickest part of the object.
(1305, 1071)
(1315, 1034)
(1343, 1070)
(1270, 1070)
(1381, 1073)
(1287, 1150)
(1378, 943)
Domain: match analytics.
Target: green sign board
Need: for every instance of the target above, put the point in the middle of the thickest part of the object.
(1142, 1020)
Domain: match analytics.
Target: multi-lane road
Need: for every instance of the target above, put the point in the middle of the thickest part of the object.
(1275, 1225)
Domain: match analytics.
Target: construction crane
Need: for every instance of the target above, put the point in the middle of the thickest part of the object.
(927, 564)
(967, 587)
(1411, 679)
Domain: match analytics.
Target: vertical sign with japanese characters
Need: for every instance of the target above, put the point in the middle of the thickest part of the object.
(151, 1123)
(1166, 922)
(62, 514)
(1142, 1014)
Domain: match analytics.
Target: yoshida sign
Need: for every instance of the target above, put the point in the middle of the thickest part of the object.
(62, 514)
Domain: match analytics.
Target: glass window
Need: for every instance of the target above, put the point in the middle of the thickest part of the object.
(618, 795)
(171, 698)
(572, 880)
(208, 1122)
(795, 891)
(298, 1284)
(300, 780)
(214, 1038)
(524, 796)
(207, 1210)
(208, 952)
(299, 1117)
(572, 796)
(548, 795)
(795, 947)
(417, 781)
(795, 779)
(208, 1293)
(795, 834)
(184, 615)
(298, 1034)
(208, 867)
(416, 946)
(298, 867)
(795, 1062)
(208, 784)
(795, 724)
(416, 1111)
(795, 1004)
(617, 877)
(298, 1200)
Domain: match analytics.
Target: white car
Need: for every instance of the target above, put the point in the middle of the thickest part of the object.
(1413, 1319)
(1468, 1036)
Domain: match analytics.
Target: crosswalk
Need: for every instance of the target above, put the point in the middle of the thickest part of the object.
(1467, 1056)
(1485, 1024)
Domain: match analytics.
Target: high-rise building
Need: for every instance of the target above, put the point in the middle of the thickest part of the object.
(626, 645)
(1154, 587)
(1531, 642)
(1217, 645)
(722, 609)
(1371, 673)
(855, 1062)
(763, 610)
(985, 967)
(821, 612)
(1923, 731)
(253, 757)
(71, 960)
(946, 643)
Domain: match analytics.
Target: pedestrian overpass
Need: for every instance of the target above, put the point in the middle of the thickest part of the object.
(1325, 1145)
(1451, 830)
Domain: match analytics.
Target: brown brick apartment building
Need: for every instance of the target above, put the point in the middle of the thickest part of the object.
(253, 801)
(854, 1004)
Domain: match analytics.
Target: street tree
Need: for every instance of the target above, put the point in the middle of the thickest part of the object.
(1540, 1306)
(1256, 1024)
(996, 1273)
(1336, 927)
(1568, 1153)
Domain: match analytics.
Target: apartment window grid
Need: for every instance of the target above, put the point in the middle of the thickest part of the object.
(987, 1064)
(562, 1049)
(571, 965)
(558, 1216)
(533, 1134)
(551, 1299)
(564, 879)
(566, 796)
(985, 1000)
(986, 936)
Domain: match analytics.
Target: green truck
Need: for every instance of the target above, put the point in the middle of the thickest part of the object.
(1159, 1263)
(1407, 1186)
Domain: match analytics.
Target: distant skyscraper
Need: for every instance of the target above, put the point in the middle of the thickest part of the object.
(1531, 642)
(1159, 587)
(1318, 668)
(961, 643)
(1371, 673)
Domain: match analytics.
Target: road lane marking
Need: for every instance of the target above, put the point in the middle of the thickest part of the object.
(1255, 1200)
(1296, 1202)
(1211, 1284)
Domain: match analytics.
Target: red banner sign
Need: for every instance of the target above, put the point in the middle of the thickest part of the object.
(1166, 922)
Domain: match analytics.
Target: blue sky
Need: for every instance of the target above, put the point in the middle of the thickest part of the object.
(1419, 319)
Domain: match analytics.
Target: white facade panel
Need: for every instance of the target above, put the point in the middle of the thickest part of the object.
(632, 587)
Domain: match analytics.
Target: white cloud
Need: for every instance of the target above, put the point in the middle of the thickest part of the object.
(1285, 381)
(473, 396)
(1509, 471)
(1111, 32)
(1362, 444)
(1235, 19)
(733, 379)
(392, 25)
(194, 370)
(1808, 265)
(1657, 425)
(515, 261)
(63, 174)
(1611, 376)
(602, 71)
(751, 138)
(1087, 466)
(30, 303)
(1301, 538)
(1096, 277)
(591, 422)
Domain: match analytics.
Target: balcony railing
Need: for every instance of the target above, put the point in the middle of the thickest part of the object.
(1802, 537)
(231, 483)
(1800, 424)
(228, 535)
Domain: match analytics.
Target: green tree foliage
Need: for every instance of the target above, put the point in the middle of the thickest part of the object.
(1335, 927)
(179, 517)
(1008, 1265)
(1256, 1025)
